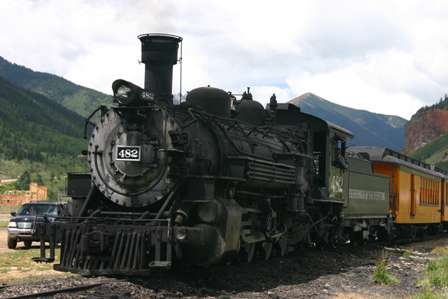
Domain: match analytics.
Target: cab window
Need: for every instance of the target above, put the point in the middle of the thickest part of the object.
(338, 155)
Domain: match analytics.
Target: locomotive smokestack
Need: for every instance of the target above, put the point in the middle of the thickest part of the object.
(159, 54)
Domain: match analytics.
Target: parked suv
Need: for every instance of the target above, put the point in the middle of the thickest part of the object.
(22, 226)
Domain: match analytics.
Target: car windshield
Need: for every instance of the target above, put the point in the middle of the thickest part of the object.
(38, 210)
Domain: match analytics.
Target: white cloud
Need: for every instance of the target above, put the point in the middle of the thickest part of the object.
(385, 56)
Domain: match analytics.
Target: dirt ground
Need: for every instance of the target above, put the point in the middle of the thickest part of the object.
(3, 236)
(308, 273)
(4, 217)
(3, 240)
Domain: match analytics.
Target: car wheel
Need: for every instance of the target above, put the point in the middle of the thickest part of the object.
(27, 244)
(12, 243)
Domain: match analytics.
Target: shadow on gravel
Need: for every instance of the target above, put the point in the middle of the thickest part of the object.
(301, 267)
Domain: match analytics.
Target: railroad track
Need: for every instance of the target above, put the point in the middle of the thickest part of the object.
(55, 291)
(302, 266)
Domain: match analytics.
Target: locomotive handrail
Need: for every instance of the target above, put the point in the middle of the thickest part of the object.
(280, 155)
(123, 213)
(105, 219)
(213, 177)
(103, 108)
(249, 158)
(88, 122)
(133, 107)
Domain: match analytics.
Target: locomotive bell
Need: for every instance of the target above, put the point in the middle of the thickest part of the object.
(159, 54)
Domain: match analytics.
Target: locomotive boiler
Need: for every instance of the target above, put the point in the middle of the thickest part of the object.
(209, 179)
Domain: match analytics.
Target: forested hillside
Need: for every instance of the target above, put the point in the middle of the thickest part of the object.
(34, 127)
(39, 136)
(435, 152)
(77, 98)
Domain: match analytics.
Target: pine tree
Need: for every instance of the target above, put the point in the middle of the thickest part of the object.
(23, 183)
(39, 179)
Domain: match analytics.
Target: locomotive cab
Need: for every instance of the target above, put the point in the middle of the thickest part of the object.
(337, 163)
(328, 144)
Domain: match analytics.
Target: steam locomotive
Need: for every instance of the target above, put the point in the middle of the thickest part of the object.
(212, 178)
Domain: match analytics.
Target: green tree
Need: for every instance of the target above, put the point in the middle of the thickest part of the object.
(23, 183)
(39, 180)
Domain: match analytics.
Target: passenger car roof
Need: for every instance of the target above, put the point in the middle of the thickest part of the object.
(42, 203)
(385, 154)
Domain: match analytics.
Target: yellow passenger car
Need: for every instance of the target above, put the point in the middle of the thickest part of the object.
(444, 203)
(417, 194)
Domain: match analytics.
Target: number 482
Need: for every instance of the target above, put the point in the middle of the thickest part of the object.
(128, 153)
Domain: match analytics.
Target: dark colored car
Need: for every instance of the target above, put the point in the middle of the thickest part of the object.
(22, 226)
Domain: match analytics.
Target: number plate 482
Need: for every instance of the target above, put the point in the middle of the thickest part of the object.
(128, 153)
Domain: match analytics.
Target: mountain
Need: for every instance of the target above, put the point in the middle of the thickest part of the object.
(39, 136)
(369, 128)
(80, 99)
(34, 127)
(426, 125)
(427, 134)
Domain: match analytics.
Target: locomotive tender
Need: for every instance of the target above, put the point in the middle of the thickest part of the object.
(216, 178)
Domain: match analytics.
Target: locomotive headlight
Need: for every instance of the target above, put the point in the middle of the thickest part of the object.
(123, 94)
(128, 94)
(122, 91)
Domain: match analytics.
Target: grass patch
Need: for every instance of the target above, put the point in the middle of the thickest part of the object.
(382, 276)
(5, 215)
(428, 293)
(4, 224)
(437, 273)
(21, 259)
(440, 251)
(436, 277)
(7, 209)
(17, 265)
(406, 253)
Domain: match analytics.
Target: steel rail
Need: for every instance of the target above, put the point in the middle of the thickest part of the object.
(54, 292)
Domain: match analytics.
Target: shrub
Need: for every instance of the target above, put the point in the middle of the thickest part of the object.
(382, 276)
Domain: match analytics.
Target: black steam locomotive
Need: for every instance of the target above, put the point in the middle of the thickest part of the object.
(209, 179)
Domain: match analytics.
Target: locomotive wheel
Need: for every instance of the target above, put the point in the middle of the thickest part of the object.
(249, 251)
(267, 250)
(413, 233)
(356, 238)
(384, 236)
(282, 246)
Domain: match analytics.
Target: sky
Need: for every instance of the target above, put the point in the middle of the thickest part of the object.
(388, 57)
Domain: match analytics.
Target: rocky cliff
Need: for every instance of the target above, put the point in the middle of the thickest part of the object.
(425, 126)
